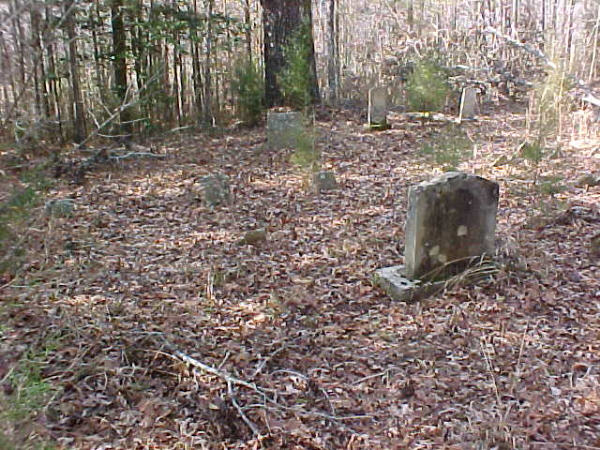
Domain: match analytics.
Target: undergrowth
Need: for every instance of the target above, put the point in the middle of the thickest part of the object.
(15, 211)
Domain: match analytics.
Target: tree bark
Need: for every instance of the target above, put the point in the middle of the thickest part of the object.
(332, 57)
(120, 65)
(281, 18)
(79, 131)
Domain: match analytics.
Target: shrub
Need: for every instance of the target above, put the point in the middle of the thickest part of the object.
(449, 149)
(248, 86)
(295, 79)
(306, 155)
(427, 86)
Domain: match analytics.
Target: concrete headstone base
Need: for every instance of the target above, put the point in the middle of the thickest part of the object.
(399, 287)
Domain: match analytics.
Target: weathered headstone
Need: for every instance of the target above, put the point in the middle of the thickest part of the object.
(215, 189)
(324, 181)
(451, 220)
(377, 115)
(283, 128)
(468, 104)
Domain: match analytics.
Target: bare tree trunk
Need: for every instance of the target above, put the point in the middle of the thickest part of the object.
(120, 65)
(332, 57)
(207, 110)
(281, 19)
(248, 31)
(79, 131)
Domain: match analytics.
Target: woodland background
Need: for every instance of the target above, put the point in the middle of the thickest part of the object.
(133, 315)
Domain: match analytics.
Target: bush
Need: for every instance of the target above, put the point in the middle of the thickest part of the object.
(427, 86)
(448, 149)
(248, 86)
(295, 79)
(306, 155)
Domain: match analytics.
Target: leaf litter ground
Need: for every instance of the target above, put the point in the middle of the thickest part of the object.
(144, 288)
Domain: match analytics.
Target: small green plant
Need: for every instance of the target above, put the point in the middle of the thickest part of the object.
(427, 86)
(447, 150)
(306, 155)
(31, 391)
(248, 86)
(296, 80)
(551, 185)
(15, 211)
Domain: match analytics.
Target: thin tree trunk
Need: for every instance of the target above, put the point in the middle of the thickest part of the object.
(332, 57)
(120, 65)
(207, 112)
(79, 131)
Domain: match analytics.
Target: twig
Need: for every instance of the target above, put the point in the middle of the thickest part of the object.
(234, 402)
(259, 390)
(137, 154)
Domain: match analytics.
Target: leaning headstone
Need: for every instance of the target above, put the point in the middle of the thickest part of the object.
(324, 181)
(283, 128)
(61, 207)
(215, 189)
(468, 104)
(378, 109)
(451, 221)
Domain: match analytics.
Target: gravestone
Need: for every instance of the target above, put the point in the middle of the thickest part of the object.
(215, 189)
(324, 181)
(377, 115)
(468, 104)
(451, 221)
(60, 207)
(283, 129)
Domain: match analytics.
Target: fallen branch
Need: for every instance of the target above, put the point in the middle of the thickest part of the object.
(590, 97)
(136, 155)
(236, 405)
(231, 380)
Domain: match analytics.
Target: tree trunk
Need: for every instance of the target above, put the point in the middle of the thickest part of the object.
(79, 132)
(120, 65)
(207, 110)
(332, 57)
(281, 18)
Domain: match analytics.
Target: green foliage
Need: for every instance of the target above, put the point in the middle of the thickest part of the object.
(248, 86)
(295, 79)
(15, 211)
(306, 155)
(551, 185)
(448, 149)
(533, 151)
(550, 101)
(427, 86)
(31, 391)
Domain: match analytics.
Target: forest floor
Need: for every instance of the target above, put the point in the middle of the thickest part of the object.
(142, 321)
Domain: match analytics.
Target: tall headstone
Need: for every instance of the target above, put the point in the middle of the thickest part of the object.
(378, 109)
(283, 128)
(468, 104)
(451, 221)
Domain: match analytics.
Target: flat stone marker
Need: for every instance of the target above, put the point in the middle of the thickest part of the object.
(451, 221)
(324, 181)
(468, 104)
(215, 189)
(377, 115)
(283, 128)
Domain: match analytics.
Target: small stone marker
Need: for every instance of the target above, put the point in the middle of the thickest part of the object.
(254, 237)
(451, 220)
(283, 128)
(468, 104)
(324, 181)
(215, 189)
(377, 115)
(60, 207)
